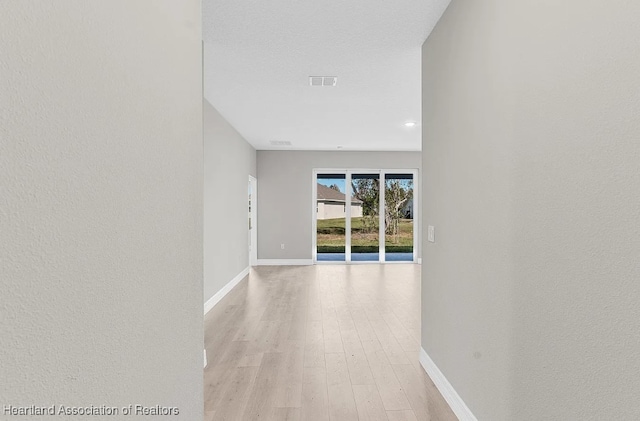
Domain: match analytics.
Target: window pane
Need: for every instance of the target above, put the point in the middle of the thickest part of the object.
(330, 217)
(398, 217)
(365, 217)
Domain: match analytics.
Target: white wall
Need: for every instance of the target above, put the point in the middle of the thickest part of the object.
(228, 162)
(531, 178)
(285, 202)
(101, 204)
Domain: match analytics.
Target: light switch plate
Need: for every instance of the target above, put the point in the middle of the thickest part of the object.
(431, 235)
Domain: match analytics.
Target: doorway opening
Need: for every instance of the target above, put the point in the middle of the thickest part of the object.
(365, 215)
(253, 221)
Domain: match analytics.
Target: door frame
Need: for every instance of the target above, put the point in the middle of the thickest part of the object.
(348, 173)
(253, 215)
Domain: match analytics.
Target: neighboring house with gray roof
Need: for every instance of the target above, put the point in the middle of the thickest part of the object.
(331, 204)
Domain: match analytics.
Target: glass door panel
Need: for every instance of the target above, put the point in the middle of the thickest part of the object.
(331, 217)
(399, 226)
(365, 217)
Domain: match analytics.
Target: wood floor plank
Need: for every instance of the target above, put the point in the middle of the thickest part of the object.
(235, 395)
(298, 326)
(407, 415)
(401, 333)
(369, 403)
(365, 331)
(392, 348)
(342, 406)
(261, 398)
(215, 382)
(288, 393)
(285, 414)
(391, 392)
(414, 359)
(314, 345)
(320, 343)
(357, 362)
(315, 402)
(331, 331)
(425, 399)
(250, 358)
(235, 352)
(278, 341)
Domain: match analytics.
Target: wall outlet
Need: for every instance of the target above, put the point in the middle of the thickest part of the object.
(431, 235)
(282, 246)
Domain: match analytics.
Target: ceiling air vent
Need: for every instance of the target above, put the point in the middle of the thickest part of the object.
(323, 80)
(280, 143)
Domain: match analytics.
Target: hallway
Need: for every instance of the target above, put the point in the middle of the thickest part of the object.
(320, 343)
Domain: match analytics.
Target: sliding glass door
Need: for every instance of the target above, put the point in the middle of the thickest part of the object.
(399, 218)
(364, 215)
(331, 213)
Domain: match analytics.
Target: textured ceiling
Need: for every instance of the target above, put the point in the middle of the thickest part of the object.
(260, 54)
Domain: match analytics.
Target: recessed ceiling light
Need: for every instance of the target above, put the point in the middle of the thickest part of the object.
(410, 124)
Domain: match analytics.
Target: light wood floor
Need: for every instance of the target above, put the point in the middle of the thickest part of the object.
(326, 342)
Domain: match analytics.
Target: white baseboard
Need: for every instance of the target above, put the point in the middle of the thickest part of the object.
(285, 262)
(454, 400)
(205, 358)
(211, 302)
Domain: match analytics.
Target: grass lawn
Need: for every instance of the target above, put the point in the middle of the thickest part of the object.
(331, 237)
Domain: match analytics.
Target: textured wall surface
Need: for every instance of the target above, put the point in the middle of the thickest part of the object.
(228, 162)
(101, 205)
(532, 180)
(284, 194)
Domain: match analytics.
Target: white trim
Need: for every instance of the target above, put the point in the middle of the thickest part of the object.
(365, 262)
(347, 221)
(253, 233)
(330, 262)
(382, 238)
(285, 262)
(459, 408)
(314, 216)
(417, 218)
(205, 358)
(211, 302)
(399, 262)
(417, 233)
